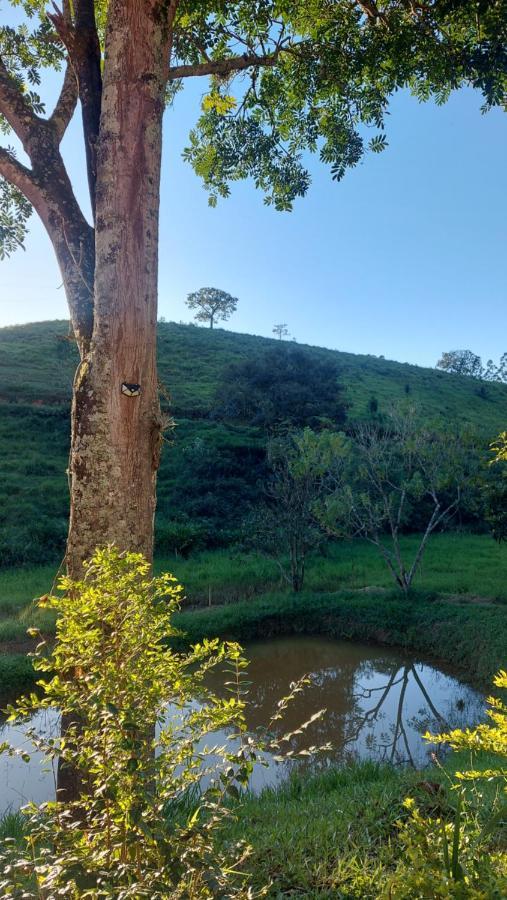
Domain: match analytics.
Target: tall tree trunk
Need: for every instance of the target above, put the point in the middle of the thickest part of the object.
(116, 421)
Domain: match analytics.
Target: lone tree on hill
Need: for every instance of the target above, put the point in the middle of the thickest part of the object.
(315, 75)
(212, 304)
(281, 330)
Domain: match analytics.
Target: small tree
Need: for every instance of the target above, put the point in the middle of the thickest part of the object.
(461, 362)
(393, 470)
(300, 470)
(495, 491)
(281, 330)
(212, 304)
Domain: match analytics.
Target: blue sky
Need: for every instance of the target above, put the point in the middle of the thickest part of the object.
(406, 257)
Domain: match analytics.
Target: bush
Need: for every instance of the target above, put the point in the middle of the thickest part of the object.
(150, 798)
(180, 537)
(457, 854)
(285, 385)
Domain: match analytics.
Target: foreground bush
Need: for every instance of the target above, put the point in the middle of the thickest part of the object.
(457, 854)
(151, 794)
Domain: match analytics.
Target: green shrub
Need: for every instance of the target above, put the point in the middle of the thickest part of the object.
(180, 537)
(150, 798)
(457, 854)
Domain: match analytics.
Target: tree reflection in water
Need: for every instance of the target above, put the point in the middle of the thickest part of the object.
(378, 702)
(394, 746)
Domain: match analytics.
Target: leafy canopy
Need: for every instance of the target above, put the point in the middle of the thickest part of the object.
(212, 304)
(285, 386)
(287, 77)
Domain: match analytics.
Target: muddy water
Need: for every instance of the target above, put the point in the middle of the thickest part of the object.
(379, 701)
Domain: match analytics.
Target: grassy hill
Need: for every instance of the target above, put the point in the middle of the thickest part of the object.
(203, 473)
(37, 364)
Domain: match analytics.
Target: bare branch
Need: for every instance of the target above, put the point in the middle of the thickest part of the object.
(80, 38)
(66, 103)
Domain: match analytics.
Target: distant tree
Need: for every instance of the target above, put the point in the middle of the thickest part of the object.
(493, 372)
(461, 362)
(391, 470)
(281, 330)
(211, 305)
(285, 386)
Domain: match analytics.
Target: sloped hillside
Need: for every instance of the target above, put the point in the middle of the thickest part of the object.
(37, 365)
(210, 470)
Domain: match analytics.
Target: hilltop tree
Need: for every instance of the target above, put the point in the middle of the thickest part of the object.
(212, 304)
(316, 76)
(461, 362)
(281, 330)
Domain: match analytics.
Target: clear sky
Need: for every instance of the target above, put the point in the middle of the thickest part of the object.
(406, 257)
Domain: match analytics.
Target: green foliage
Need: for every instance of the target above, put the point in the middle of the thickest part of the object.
(316, 76)
(335, 834)
(151, 797)
(212, 305)
(286, 386)
(448, 859)
(15, 211)
(461, 362)
(391, 472)
(300, 468)
(332, 70)
(463, 857)
(489, 737)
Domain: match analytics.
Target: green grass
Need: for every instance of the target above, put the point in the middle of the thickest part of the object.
(454, 564)
(28, 373)
(333, 835)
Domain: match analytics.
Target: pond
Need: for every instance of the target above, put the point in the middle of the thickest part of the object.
(378, 702)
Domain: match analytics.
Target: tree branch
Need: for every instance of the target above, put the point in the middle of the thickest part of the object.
(81, 41)
(17, 174)
(223, 67)
(66, 103)
(16, 110)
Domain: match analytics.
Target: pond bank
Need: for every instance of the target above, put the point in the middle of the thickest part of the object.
(378, 701)
(472, 637)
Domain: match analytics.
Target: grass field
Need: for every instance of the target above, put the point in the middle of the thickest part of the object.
(462, 564)
(333, 836)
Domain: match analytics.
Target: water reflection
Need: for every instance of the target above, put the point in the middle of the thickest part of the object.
(378, 704)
